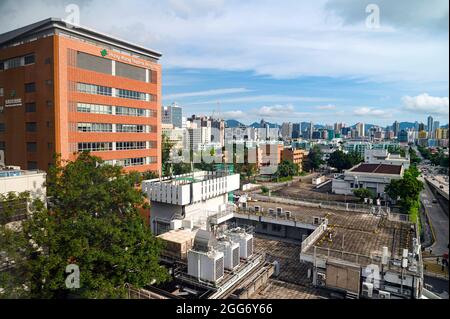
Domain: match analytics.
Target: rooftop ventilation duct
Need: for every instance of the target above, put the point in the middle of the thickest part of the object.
(204, 241)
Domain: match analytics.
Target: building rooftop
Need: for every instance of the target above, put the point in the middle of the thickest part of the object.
(378, 169)
(52, 23)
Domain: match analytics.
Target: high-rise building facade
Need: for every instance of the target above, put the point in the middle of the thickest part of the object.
(172, 114)
(430, 126)
(68, 89)
(360, 129)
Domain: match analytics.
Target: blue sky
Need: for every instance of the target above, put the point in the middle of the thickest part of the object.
(285, 60)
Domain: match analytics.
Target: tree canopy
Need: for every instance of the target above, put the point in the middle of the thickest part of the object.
(342, 161)
(92, 221)
(314, 159)
(407, 189)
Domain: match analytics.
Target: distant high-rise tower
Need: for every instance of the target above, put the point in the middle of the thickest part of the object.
(396, 128)
(360, 129)
(430, 126)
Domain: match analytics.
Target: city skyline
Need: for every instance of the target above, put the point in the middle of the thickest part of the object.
(326, 67)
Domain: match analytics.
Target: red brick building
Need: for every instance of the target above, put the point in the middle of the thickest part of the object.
(66, 89)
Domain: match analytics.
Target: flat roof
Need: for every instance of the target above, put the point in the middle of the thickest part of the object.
(377, 169)
(58, 23)
(355, 233)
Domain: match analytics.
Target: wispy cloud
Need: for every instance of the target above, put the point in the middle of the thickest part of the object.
(206, 93)
(371, 112)
(328, 107)
(265, 99)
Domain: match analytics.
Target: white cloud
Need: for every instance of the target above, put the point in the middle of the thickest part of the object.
(265, 99)
(426, 104)
(206, 93)
(297, 38)
(328, 107)
(234, 115)
(368, 111)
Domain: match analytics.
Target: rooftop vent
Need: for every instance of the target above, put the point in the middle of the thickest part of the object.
(204, 241)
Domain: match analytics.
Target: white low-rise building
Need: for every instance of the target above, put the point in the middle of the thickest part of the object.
(374, 177)
(189, 200)
(18, 181)
(382, 156)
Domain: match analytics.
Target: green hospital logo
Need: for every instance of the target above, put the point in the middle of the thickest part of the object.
(104, 52)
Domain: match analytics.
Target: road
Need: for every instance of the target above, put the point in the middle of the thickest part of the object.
(439, 286)
(438, 219)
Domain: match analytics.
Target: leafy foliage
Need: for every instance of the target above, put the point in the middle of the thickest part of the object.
(93, 222)
(407, 189)
(314, 159)
(342, 161)
(287, 169)
(363, 193)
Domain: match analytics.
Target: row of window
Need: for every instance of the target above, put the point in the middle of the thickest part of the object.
(17, 62)
(108, 146)
(108, 128)
(108, 109)
(107, 91)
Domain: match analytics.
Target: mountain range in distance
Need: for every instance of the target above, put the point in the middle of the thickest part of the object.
(235, 123)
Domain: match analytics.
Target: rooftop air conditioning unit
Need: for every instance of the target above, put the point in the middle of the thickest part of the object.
(288, 214)
(245, 242)
(244, 205)
(279, 210)
(231, 253)
(207, 266)
(384, 294)
(367, 289)
(257, 209)
(272, 212)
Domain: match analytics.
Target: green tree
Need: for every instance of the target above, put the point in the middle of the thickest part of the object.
(166, 148)
(92, 221)
(314, 159)
(287, 169)
(406, 190)
(363, 193)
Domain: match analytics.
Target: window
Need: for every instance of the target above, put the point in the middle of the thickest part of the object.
(130, 71)
(120, 146)
(30, 87)
(94, 89)
(30, 107)
(31, 147)
(129, 111)
(130, 128)
(29, 59)
(152, 144)
(14, 63)
(94, 108)
(276, 228)
(128, 94)
(94, 147)
(32, 165)
(2, 91)
(94, 63)
(2, 127)
(2, 65)
(94, 127)
(2, 146)
(131, 162)
(31, 126)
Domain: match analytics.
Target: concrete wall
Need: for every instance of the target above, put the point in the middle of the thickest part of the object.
(33, 183)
